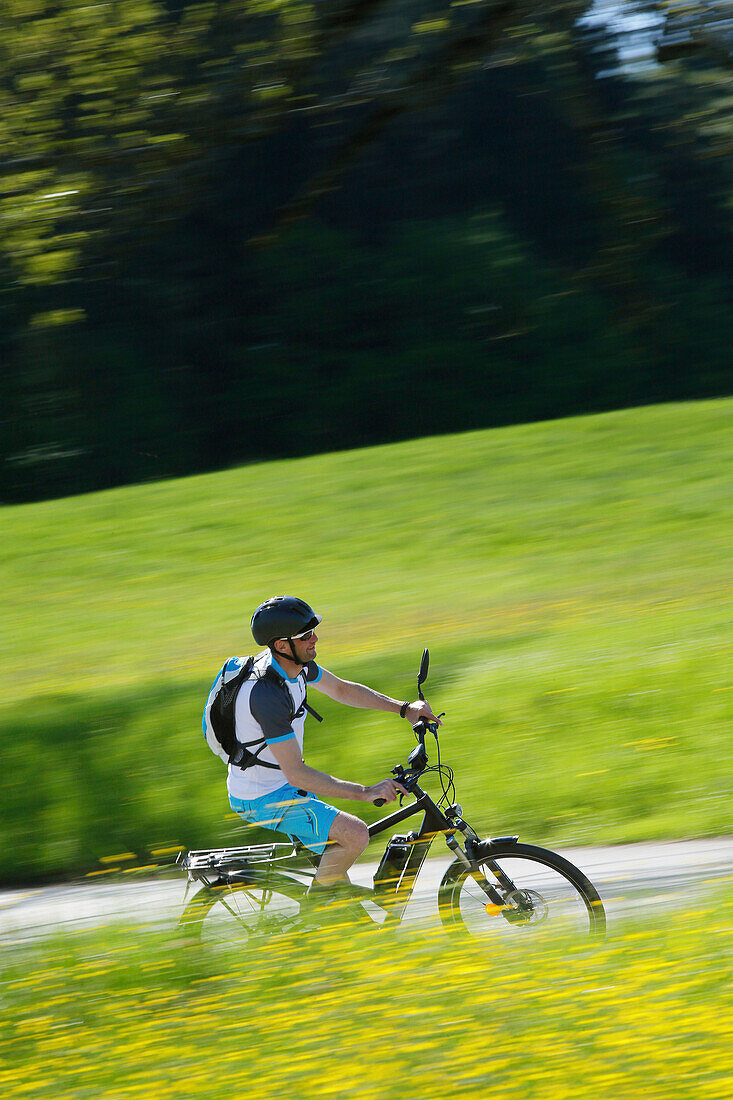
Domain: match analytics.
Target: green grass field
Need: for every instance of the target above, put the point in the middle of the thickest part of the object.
(572, 580)
(127, 1014)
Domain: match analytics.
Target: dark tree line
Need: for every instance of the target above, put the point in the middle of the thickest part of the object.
(231, 232)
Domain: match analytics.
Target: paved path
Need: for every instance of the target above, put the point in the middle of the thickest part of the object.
(627, 876)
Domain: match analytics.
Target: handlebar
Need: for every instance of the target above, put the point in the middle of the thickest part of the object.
(422, 726)
(418, 758)
(403, 777)
(406, 778)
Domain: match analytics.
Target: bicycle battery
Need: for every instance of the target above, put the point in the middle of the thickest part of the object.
(393, 862)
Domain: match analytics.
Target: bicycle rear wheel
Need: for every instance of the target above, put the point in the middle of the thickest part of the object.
(540, 891)
(240, 909)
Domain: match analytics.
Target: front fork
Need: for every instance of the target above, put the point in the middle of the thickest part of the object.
(520, 908)
(474, 868)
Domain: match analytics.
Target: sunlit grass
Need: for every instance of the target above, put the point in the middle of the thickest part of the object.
(572, 580)
(132, 1013)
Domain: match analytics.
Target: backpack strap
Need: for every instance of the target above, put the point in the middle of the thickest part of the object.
(270, 671)
(309, 708)
(244, 758)
(276, 678)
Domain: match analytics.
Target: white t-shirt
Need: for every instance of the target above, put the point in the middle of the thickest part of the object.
(264, 710)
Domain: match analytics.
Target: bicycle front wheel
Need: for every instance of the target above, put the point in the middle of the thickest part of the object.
(536, 892)
(236, 910)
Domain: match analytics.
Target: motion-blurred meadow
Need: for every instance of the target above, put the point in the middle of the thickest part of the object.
(422, 313)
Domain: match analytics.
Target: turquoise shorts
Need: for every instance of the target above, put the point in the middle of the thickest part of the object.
(298, 813)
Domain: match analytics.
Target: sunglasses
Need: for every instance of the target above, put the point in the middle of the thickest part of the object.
(304, 636)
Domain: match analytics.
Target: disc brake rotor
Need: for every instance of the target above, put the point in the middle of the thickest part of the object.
(525, 907)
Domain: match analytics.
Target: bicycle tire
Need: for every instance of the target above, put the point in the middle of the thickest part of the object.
(243, 907)
(548, 885)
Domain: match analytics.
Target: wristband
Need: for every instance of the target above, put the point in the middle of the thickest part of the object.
(403, 708)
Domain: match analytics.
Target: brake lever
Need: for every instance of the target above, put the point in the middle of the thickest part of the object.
(404, 778)
(381, 801)
(433, 726)
(399, 773)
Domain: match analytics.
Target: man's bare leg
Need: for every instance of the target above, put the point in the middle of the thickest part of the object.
(347, 839)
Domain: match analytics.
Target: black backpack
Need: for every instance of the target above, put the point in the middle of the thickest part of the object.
(219, 717)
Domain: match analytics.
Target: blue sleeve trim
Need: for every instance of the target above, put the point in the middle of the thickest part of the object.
(277, 740)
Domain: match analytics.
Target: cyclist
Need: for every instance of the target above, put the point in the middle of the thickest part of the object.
(280, 791)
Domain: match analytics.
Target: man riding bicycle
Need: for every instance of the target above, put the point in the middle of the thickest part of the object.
(279, 790)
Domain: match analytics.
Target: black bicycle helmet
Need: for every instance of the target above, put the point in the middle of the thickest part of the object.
(282, 617)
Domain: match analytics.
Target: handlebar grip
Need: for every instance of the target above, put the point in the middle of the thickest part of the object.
(379, 801)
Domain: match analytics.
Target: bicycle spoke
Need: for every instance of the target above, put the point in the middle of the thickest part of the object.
(538, 899)
(226, 913)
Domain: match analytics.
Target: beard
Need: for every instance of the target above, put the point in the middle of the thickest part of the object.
(305, 652)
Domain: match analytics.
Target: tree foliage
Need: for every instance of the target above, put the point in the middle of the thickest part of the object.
(155, 158)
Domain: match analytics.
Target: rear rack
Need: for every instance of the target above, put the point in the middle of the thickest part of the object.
(232, 859)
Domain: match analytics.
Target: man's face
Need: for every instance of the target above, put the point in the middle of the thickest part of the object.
(305, 648)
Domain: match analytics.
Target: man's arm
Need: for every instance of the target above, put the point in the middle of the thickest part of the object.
(298, 774)
(359, 695)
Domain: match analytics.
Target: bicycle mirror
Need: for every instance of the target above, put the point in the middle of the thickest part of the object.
(423, 673)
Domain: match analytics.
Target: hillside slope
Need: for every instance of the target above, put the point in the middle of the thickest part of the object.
(572, 579)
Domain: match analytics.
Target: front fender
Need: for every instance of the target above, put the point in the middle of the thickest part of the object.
(488, 847)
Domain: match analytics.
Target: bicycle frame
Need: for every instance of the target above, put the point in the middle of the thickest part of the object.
(392, 900)
(433, 823)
